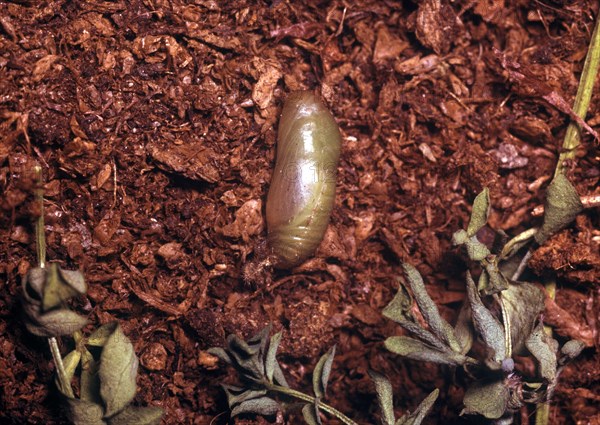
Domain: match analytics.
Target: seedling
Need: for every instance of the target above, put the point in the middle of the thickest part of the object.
(262, 379)
(108, 364)
(498, 389)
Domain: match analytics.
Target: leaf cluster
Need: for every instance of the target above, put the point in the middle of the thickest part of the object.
(109, 368)
(515, 330)
(262, 378)
(45, 295)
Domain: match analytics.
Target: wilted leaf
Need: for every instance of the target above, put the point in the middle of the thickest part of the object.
(479, 215)
(262, 406)
(138, 416)
(540, 345)
(85, 413)
(486, 324)
(416, 417)
(270, 359)
(561, 207)
(438, 325)
(489, 399)
(311, 415)
(61, 285)
(55, 323)
(322, 371)
(118, 372)
(417, 350)
(523, 302)
(385, 397)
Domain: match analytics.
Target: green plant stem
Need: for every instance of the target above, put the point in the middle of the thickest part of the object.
(40, 248)
(582, 99)
(310, 399)
(542, 413)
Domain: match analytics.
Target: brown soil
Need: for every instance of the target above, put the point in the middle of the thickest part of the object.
(155, 123)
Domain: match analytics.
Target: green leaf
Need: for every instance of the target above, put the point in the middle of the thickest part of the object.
(489, 399)
(70, 362)
(543, 349)
(399, 308)
(138, 416)
(237, 395)
(486, 324)
(476, 250)
(85, 413)
(278, 376)
(524, 302)
(99, 337)
(55, 323)
(479, 215)
(310, 414)
(385, 397)
(60, 286)
(561, 207)
(322, 372)
(421, 411)
(570, 350)
(90, 380)
(262, 406)
(118, 372)
(465, 333)
(270, 359)
(417, 350)
(33, 285)
(438, 325)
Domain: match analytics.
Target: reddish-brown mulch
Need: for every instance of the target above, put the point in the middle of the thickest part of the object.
(155, 124)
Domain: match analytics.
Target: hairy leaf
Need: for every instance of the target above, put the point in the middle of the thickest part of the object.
(270, 360)
(85, 413)
(138, 416)
(543, 349)
(416, 417)
(237, 395)
(262, 406)
(561, 207)
(399, 308)
(438, 325)
(118, 372)
(479, 215)
(487, 398)
(486, 324)
(322, 371)
(417, 350)
(465, 333)
(310, 414)
(524, 302)
(55, 323)
(385, 397)
(497, 282)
